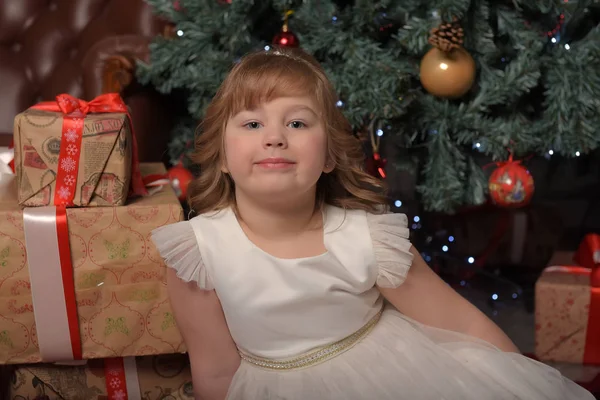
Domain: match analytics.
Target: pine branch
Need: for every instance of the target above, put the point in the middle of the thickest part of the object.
(530, 94)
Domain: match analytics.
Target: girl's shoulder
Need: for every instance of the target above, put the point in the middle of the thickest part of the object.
(389, 243)
(178, 245)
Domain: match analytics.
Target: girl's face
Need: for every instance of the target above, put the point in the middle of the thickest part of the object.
(278, 151)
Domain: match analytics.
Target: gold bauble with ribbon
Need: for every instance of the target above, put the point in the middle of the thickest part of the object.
(447, 70)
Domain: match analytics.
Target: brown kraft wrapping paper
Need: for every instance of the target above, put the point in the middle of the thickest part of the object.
(164, 377)
(120, 278)
(104, 165)
(562, 302)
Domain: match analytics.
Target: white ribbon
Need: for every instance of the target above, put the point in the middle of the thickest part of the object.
(47, 291)
(131, 379)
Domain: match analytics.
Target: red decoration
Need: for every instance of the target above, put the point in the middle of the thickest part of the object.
(286, 38)
(511, 184)
(376, 166)
(180, 178)
(558, 27)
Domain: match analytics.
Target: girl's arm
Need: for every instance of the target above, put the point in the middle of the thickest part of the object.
(426, 298)
(213, 355)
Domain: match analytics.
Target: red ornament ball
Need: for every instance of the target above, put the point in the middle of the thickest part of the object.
(375, 166)
(286, 38)
(511, 185)
(180, 178)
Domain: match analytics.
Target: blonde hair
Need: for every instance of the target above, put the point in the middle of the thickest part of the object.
(264, 76)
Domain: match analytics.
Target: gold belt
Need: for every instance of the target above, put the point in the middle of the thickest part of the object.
(316, 356)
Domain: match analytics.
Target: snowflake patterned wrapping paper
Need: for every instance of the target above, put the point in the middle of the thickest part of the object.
(159, 378)
(120, 279)
(86, 160)
(565, 305)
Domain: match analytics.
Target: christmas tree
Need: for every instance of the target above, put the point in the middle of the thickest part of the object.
(440, 81)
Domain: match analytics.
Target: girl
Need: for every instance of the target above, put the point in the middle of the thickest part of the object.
(278, 285)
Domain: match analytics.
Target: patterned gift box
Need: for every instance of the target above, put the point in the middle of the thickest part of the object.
(567, 309)
(134, 378)
(120, 302)
(76, 153)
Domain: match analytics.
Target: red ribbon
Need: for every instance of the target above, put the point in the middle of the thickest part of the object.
(588, 256)
(11, 163)
(114, 374)
(122, 381)
(74, 111)
(156, 180)
(66, 269)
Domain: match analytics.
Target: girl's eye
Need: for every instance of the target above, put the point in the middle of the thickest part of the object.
(297, 124)
(252, 125)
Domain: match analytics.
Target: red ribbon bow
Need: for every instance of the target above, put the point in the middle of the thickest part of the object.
(510, 160)
(67, 104)
(74, 110)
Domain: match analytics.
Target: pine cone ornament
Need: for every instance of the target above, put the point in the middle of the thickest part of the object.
(448, 36)
(447, 70)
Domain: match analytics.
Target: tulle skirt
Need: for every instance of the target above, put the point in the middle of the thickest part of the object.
(403, 359)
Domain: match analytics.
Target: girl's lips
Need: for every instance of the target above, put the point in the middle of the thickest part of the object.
(276, 163)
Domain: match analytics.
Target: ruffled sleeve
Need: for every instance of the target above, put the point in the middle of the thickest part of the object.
(389, 234)
(178, 246)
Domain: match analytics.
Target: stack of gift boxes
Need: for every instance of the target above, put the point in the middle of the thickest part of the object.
(567, 313)
(84, 311)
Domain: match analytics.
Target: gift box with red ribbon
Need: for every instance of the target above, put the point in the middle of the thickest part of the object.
(567, 309)
(84, 283)
(75, 153)
(130, 378)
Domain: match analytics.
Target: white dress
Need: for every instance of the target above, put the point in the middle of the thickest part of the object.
(281, 309)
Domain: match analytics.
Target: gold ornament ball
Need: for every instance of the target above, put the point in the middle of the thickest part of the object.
(447, 74)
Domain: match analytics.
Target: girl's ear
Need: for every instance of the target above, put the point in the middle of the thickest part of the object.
(329, 166)
(224, 168)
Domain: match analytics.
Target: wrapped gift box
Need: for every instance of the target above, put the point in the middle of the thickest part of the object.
(567, 309)
(73, 151)
(120, 303)
(148, 378)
